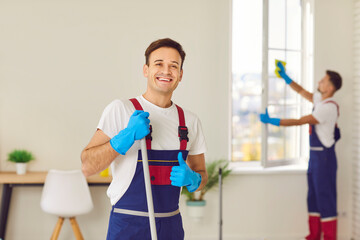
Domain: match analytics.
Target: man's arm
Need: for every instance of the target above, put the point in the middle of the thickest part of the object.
(197, 164)
(98, 154)
(102, 150)
(308, 119)
(296, 87)
(300, 90)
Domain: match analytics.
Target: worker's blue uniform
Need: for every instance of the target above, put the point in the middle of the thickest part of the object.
(321, 177)
(129, 216)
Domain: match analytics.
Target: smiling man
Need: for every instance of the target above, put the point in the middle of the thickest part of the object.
(175, 145)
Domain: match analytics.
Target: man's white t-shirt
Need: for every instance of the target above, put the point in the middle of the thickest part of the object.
(165, 123)
(326, 114)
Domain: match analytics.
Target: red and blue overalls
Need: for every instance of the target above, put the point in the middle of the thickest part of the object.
(321, 177)
(129, 219)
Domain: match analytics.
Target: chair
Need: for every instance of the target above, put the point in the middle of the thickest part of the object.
(66, 194)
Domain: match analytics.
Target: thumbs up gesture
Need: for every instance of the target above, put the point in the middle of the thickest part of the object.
(182, 175)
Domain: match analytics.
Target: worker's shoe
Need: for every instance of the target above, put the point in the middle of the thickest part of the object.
(314, 228)
(329, 229)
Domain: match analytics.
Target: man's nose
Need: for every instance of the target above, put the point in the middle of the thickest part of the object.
(166, 69)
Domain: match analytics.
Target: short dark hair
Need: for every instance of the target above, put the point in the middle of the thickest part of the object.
(335, 79)
(165, 42)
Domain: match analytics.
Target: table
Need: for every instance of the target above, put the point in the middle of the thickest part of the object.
(11, 180)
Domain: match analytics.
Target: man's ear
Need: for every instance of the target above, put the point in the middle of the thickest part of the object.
(181, 75)
(332, 87)
(145, 70)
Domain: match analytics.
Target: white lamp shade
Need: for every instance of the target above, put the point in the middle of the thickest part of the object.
(66, 194)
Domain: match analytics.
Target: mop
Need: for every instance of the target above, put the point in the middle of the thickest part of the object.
(149, 197)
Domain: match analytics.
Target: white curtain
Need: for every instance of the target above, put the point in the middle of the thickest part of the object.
(356, 142)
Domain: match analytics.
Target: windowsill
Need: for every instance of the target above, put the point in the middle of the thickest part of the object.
(251, 170)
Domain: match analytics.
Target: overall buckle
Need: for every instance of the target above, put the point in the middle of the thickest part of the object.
(183, 133)
(149, 135)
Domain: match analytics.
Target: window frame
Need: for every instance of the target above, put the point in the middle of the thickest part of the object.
(306, 81)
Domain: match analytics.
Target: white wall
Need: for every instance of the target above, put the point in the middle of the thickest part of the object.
(333, 50)
(62, 62)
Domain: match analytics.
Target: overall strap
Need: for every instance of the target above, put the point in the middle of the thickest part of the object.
(148, 137)
(337, 106)
(136, 104)
(183, 130)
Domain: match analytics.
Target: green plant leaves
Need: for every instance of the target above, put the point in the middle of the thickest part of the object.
(20, 156)
(212, 169)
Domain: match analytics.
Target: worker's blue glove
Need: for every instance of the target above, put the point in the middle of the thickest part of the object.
(264, 117)
(182, 175)
(283, 74)
(137, 128)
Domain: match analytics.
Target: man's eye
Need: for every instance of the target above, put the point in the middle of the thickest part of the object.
(174, 66)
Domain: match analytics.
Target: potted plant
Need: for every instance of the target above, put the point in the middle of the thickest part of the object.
(21, 158)
(195, 200)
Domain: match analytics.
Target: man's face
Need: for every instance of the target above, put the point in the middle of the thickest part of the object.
(325, 85)
(163, 72)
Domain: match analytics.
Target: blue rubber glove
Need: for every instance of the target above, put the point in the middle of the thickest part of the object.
(182, 175)
(264, 117)
(283, 74)
(137, 128)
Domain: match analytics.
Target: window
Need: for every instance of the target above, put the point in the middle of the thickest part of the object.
(262, 31)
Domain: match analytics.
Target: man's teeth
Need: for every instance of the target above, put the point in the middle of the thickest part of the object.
(165, 79)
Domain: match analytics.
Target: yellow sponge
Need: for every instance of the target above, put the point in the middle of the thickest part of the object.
(277, 69)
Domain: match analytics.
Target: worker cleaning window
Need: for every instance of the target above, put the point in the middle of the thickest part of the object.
(324, 133)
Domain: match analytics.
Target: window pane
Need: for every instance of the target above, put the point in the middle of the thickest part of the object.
(292, 134)
(276, 85)
(246, 79)
(293, 69)
(276, 134)
(283, 142)
(279, 92)
(277, 24)
(293, 24)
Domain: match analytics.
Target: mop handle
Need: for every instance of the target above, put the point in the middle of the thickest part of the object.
(149, 197)
(220, 203)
